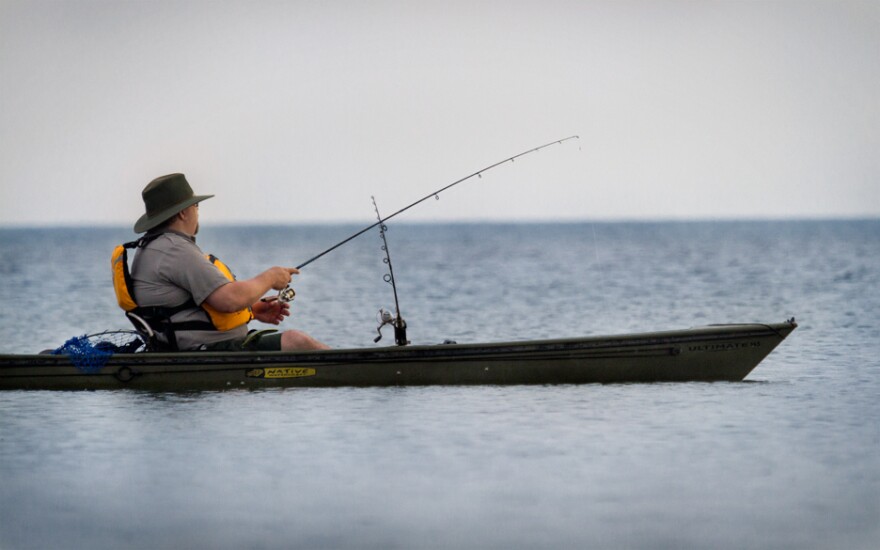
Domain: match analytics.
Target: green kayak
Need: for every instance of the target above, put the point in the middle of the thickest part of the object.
(710, 353)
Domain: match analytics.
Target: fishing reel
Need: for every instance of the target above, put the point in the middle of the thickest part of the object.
(287, 294)
(385, 317)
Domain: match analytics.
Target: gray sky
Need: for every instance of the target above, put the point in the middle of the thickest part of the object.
(299, 111)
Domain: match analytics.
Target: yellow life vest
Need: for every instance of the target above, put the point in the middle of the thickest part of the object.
(124, 288)
(226, 321)
(122, 282)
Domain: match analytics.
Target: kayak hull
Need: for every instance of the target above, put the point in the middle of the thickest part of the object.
(712, 353)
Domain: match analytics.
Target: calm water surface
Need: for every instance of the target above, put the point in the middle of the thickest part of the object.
(790, 458)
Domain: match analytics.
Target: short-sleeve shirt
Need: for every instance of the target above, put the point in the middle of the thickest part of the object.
(169, 271)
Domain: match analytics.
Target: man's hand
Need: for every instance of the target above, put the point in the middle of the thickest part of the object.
(279, 277)
(271, 311)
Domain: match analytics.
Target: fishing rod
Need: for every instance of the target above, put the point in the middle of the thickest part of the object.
(386, 317)
(287, 294)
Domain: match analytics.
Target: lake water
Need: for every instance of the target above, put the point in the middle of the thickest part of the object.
(790, 458)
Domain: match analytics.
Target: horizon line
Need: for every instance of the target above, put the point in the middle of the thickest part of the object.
(474, 221)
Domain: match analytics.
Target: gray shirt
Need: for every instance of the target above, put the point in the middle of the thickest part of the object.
(170, 270)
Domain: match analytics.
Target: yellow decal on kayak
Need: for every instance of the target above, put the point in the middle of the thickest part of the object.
(280, 372)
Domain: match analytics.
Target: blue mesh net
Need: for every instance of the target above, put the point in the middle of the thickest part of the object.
(89, 353)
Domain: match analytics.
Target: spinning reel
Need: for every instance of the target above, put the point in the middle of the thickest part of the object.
(287, 294)
(385, 317)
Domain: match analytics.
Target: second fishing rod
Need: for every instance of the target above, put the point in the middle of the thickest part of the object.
(287, 294)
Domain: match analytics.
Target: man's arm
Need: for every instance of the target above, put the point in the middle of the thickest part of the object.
(237, 295)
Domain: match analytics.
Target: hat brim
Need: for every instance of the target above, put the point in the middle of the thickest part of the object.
(147, 222)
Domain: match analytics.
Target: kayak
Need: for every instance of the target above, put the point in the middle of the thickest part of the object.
(710, 353)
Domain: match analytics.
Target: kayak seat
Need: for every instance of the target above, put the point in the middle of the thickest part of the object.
(143, 328)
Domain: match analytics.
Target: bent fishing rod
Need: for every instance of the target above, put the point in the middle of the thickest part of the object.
(386, 317)
(288, 294)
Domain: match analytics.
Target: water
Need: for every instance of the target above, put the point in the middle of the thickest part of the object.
(787, 459)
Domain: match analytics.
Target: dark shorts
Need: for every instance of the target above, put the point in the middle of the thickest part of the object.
(259, 342)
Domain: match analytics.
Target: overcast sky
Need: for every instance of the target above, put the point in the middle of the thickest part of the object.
(299, 111)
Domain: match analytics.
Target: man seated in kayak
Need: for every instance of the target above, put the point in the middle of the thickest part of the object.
(201, 302)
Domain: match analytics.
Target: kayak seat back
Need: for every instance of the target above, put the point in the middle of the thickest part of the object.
(143, 328)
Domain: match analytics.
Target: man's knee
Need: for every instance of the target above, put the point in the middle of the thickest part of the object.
(296, 340)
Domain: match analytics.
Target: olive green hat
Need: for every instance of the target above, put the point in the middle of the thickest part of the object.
(164, 197)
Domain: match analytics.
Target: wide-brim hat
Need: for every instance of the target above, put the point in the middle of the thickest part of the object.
(164, 198)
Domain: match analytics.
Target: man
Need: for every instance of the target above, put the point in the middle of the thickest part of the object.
(208, 308)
